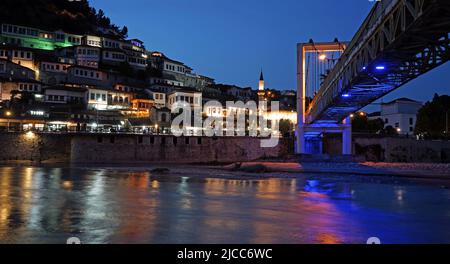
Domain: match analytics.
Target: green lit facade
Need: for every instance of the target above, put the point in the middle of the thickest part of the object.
(36, 39)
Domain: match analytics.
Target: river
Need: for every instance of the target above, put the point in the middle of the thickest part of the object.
(130, 205)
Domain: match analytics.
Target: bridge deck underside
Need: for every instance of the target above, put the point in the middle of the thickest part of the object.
(389, 59)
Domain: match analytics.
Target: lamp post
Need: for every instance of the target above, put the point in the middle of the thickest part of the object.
(8, 115)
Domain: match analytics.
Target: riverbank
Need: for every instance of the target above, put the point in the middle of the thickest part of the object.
(268, 169)
(409, 170)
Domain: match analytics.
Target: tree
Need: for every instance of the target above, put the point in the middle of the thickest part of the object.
(431, 119)
(286, 127)
(390, 131)
(362, 124)
(124, 32)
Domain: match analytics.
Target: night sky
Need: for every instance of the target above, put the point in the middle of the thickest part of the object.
(232, 40)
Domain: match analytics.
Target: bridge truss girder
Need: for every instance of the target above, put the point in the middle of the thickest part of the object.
(410, 40)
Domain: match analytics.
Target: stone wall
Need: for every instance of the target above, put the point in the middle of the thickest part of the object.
(34, 147)
(394, 149)
(169, 149)
(90, 148)
(391, 149)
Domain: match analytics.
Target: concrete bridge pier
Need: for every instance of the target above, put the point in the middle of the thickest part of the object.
(347, 137)
(310, 135)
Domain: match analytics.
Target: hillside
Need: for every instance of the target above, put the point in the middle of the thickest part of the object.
(70, 16)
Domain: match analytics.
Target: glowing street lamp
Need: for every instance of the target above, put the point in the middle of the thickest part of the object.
(322, 57)
(8, 113)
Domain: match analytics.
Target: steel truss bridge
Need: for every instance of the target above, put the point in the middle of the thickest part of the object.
(399, 41)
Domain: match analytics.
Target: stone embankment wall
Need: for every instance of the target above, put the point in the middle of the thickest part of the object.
(96, 148)
(402, 150)
(392, 149)
(31, 147)
(142, 149)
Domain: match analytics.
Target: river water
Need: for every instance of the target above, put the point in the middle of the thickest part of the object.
(116, 205)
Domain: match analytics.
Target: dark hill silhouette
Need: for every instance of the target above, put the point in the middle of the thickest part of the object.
(71, 16)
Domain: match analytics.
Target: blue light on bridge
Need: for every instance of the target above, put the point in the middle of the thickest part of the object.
(381, 68)
(346, 95)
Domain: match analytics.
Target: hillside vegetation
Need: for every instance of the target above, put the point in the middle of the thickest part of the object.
(71, 16)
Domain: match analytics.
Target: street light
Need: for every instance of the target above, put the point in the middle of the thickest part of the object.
(8, 113)
(322, 57)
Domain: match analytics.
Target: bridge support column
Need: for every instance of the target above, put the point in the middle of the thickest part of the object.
(347, 145)
(301, 141)
(306, 130)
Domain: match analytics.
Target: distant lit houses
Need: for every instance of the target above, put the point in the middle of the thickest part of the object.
(401, 114)
(102, 82)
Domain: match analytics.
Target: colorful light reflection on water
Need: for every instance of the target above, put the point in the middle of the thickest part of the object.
(48, 205)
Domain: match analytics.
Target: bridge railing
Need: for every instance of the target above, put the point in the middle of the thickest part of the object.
(374, 19)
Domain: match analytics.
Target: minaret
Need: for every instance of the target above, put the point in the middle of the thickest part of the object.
(261, 92)
(261, 82)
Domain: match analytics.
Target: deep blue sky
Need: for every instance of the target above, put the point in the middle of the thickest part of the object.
(232, 40)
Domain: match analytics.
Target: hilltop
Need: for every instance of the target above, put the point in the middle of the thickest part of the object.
(71, 16)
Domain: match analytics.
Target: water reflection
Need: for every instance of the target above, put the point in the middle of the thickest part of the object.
(47, 205)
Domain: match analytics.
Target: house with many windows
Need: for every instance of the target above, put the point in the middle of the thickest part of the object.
(192, 97)
(61, 94)
(400, 114)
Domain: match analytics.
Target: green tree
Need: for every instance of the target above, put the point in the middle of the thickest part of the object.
(431, 119)
(286, 127)
(361, 124)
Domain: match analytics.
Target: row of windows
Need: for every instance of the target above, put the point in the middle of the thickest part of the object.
(142, 105)
(35, 33)
(20, 30)
(123, 88)
(56, 98)
(29, 87)
(80, 116)
(172, 68)
(94, 43)
(115, 56)
(136, 60)
(90, 52)
(159, 96)
(188, 99)
(17, 54)
(119, 99)
(53, 67)
(62, 98)
(22, 54)
(88, 63)
(159, 81)
(98, 97)
(60, 37)
(86, 73)
(75, 40)
(111, 44)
